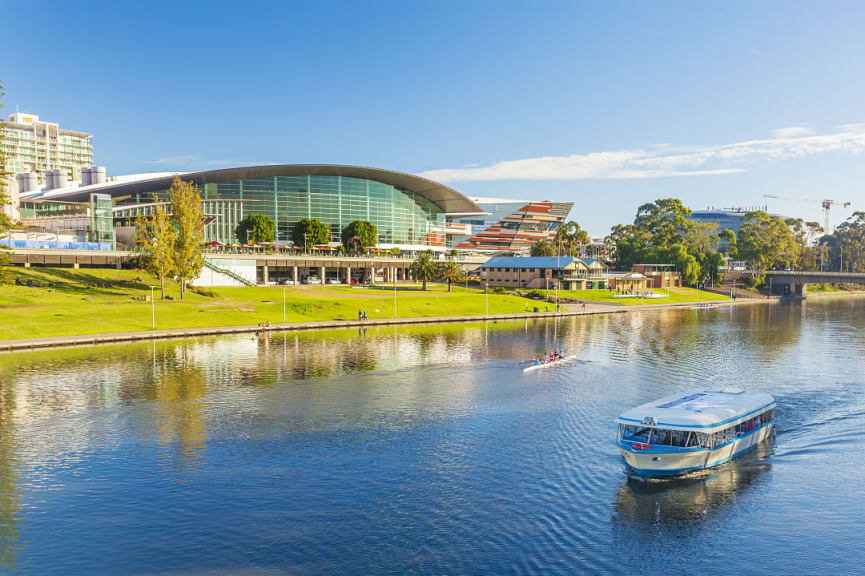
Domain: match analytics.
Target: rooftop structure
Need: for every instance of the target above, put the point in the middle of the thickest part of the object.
(701, 411)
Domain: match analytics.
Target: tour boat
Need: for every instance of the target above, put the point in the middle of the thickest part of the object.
(692, 431)
(549, 363)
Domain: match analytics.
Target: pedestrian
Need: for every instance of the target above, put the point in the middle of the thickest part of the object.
(359, 315)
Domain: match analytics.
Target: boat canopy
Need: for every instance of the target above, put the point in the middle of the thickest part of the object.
(704, 411)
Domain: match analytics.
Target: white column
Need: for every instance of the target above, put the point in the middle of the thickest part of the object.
(348, 275)
(264, 273)
(295, 274)
(372, 274)
(322, 275)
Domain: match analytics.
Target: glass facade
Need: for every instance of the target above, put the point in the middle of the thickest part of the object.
(401, 216)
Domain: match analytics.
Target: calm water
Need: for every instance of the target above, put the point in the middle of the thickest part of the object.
(427, 451)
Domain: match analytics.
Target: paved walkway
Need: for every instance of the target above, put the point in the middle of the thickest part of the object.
(591, 309)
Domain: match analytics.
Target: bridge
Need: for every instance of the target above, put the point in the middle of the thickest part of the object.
(793, 283)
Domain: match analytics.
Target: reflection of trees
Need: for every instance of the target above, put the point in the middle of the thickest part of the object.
(179, 384)
(9, 498)
(690, 499)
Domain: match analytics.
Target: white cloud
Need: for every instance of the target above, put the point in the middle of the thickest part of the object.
(792, 132)
(665, 161)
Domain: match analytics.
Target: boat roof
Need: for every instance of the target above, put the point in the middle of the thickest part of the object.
(700, 411)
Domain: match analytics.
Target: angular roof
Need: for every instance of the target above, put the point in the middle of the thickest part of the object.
(702, 411)
(528, 262)
(446, 198)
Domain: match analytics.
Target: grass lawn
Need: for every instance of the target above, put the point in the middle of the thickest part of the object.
(677, 295)
(93, 301)
(832, 288)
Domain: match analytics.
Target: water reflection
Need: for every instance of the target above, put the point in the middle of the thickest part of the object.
(425, 447)
(694, 498)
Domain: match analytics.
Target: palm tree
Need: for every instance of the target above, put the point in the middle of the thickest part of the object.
(543, 248)
(452, 272)
(423, 268)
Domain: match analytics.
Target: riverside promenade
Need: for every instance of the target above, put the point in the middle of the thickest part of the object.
(114, 337)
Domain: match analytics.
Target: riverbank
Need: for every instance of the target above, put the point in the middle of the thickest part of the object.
(58, 303)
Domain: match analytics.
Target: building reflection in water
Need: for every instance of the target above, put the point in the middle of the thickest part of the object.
(10, 547)
(693, 498)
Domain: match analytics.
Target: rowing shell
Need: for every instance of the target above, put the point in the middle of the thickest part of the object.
(546, 364)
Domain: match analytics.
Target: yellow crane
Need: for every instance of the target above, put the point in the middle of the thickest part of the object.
(826, 204)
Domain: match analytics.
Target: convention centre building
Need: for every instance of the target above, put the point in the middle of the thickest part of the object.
(410, 212)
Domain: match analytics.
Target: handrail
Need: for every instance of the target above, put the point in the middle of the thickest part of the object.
(228, 273)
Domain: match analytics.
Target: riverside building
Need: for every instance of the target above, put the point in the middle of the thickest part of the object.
(410, 212)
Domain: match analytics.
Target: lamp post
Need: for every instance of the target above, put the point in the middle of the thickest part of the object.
(283, 303)
(152, 309)
(394, 298)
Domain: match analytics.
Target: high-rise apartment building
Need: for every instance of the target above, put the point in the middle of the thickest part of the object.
(33, 145)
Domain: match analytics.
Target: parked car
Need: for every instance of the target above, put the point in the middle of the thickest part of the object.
(288, 282)
(313, 281)
(334, 281)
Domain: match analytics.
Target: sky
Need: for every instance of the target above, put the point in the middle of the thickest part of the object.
(605, 104)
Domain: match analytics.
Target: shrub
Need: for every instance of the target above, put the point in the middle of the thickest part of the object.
(206, 292)
(536, 294)
(498, 290)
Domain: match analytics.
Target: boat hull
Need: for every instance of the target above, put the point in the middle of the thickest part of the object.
(565, 360)
(665, 461)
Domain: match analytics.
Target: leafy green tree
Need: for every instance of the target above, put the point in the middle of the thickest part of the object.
(155, 240)
(188, 216)
(310, 232)
(766, 243)
(846, 246)
(543, 248)
(256, 228)
(5, 219)
(451, 273)
(365, 232)
(730, 237)
(570, 239)
(424, 268)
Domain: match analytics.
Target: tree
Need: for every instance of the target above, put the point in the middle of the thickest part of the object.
(365, 232)
(155, 240)
(452, 273)
(423, 268)
(730, 237)
(846, 246)
(310, 232)
(570, 239)
(543, 248)
(5, 219)
(188, 216)
(766, 243)
(256, 228)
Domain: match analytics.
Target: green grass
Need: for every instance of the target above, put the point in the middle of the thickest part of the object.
(677, 295)
(832, 288)
(93, 301)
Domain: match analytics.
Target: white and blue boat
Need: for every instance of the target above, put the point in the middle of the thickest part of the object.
(693, 431)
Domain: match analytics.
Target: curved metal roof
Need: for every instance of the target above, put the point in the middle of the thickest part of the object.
(446, 198)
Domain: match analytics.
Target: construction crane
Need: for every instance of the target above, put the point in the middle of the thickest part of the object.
(826, 204)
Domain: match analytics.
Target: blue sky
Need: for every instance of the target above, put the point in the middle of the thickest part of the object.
(607, 104)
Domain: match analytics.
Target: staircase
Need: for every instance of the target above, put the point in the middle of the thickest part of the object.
(734, 281)
(227, 272)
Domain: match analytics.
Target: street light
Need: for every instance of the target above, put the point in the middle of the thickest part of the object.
(152, 309)
(283, 303)
(394, 298)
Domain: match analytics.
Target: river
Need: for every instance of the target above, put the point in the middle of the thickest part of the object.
(426, 450)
